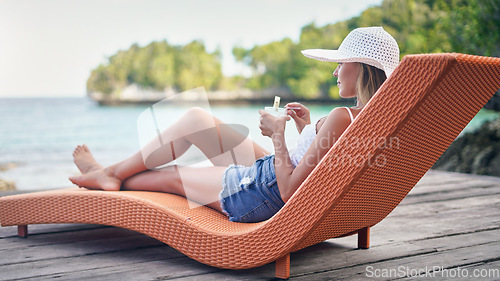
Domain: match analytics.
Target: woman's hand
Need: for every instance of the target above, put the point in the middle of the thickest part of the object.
(299, 113)
(270, 124)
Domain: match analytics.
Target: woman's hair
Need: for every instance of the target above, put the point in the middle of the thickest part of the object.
(369, 80)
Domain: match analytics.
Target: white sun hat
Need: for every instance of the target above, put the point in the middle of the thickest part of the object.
(370, 45)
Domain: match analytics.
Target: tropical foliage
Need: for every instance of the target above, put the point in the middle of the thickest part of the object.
(419, 26)
(158, 65)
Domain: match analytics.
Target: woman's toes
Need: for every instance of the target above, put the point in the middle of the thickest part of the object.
(74, 179)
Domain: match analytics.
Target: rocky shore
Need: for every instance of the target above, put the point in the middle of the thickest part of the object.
(494, 102)
(134, 94)
(475, 153)
(6, 185)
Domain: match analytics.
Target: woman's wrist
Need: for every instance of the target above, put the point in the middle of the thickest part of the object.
(278, 136)
(278, 139)
(301, 126)
(279, 128)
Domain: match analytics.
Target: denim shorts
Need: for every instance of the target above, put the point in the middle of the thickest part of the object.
(251, 194)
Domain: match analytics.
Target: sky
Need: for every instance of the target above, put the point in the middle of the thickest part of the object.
(49, 47)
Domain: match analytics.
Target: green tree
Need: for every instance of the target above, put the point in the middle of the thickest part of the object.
(158, 66)
(419, 26)
(100, 80)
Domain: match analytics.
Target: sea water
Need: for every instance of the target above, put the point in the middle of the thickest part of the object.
(38, 135)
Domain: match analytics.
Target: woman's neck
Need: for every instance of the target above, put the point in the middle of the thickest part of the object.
(359, 104)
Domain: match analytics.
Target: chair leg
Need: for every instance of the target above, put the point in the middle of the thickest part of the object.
(22, 231)
(283, 267)
(364, 238)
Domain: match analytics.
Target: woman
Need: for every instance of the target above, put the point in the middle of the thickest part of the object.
(256, 190)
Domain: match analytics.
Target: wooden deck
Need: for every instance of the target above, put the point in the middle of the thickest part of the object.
(449, 225)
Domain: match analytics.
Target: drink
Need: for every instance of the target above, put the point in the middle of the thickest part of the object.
(275, 111)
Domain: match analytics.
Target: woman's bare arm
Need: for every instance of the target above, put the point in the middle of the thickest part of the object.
(289, 179)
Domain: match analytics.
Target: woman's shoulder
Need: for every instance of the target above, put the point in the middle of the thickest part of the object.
(343, 112)
(340, 113)
(337, 118)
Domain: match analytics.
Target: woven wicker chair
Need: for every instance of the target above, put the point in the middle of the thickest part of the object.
(397, 137)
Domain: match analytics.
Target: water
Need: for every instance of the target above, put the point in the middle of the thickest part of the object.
(39, 135)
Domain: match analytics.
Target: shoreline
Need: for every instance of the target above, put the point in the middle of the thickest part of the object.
(134, 94)
(41, 134)
(242, 101)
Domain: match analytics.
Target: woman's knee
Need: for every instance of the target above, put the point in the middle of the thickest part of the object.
(197, 116)
(197, 112)
(198, 119)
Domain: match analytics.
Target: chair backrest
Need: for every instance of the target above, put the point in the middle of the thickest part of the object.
(397, 137)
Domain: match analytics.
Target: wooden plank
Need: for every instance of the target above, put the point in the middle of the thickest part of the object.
(66, 237)
(173, 268)
(36, 229)
(422, 221)
(89, 265)
(456, 193)
(438, 180)
(24, 253)
(482, 271)
(444, 175)
(413, 265)
(484, 244)
(461, 184)
(450, 203)
(74, 254)
(321, 264)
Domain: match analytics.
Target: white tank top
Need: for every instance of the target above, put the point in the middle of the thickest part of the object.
(305, 140)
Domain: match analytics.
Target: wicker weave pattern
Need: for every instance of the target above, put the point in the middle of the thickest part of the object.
(444, 105)
(425, 104)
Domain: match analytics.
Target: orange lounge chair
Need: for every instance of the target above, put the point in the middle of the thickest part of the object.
(397, 137)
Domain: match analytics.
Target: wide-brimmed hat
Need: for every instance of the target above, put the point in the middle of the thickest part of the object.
(370, 45)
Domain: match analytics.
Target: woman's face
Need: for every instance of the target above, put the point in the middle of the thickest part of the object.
(347, 75)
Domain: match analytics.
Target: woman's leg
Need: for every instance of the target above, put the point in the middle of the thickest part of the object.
(220, 143)
(198, 184)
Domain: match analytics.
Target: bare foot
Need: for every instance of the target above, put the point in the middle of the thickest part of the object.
(98, 179)
(84, 159)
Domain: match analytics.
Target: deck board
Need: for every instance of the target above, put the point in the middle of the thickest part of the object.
(448, 220)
